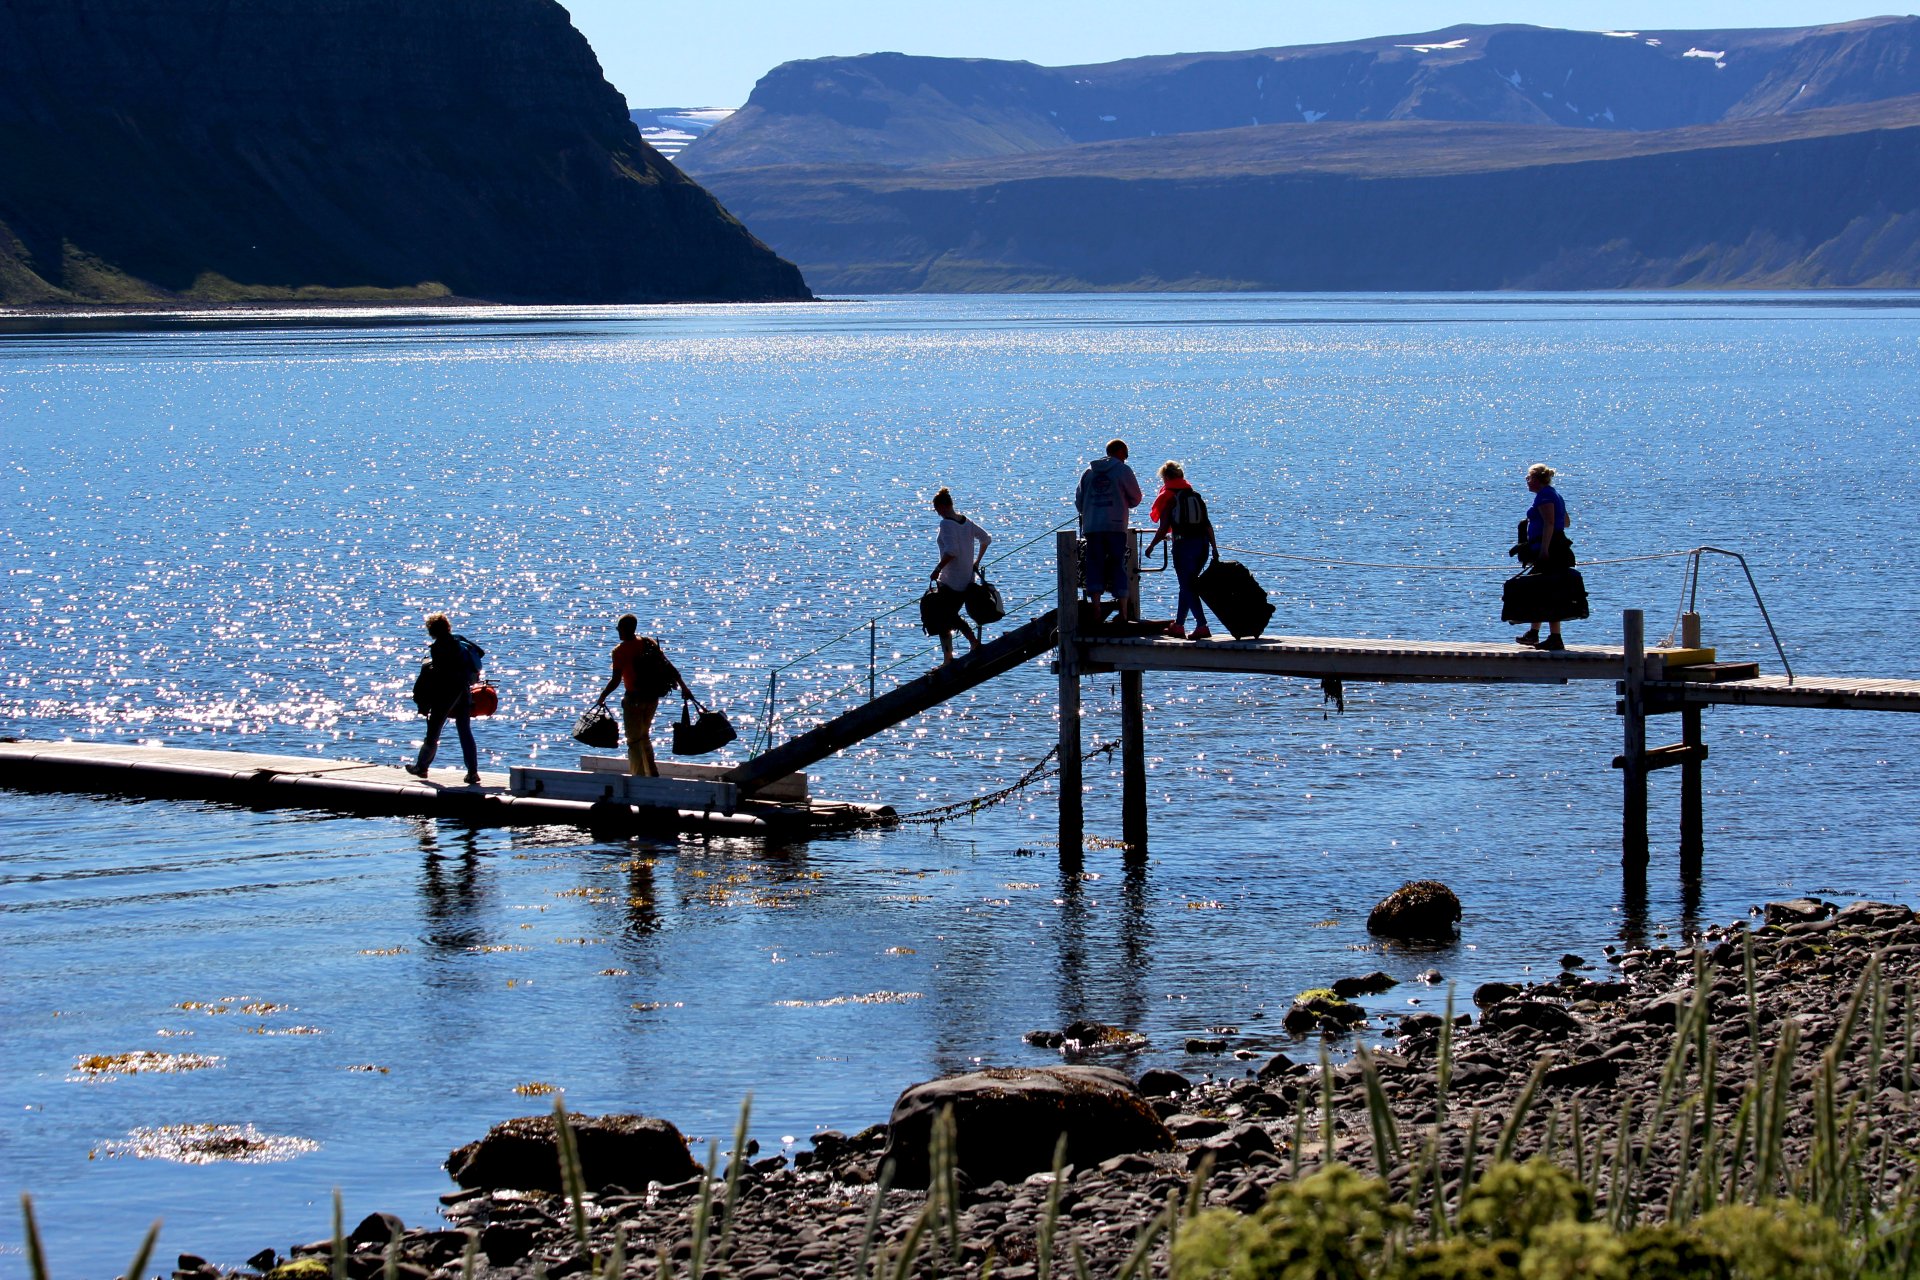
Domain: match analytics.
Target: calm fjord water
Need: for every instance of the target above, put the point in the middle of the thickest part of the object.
(224, 533)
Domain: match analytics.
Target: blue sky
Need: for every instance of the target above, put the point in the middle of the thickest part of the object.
(699, 55)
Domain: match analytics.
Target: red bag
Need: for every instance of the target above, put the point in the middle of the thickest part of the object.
(485, 699)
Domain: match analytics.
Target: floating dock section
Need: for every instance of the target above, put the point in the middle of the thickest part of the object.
(595, 798)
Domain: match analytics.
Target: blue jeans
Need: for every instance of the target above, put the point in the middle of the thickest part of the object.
(1189, 558)
(457, 711)
(1106, 567)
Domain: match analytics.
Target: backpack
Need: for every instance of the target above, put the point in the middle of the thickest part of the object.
(653, 675)
(474, 655)
(1189, 515)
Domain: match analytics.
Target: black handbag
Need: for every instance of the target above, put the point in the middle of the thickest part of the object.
(597, 728)
(710, 732)
(984, 604)
(423, 689)
(936, 615)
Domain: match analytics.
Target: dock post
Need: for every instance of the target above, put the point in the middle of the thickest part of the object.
(1633, 758)
(1072, 816)
(1133, 724)
(1692, 842)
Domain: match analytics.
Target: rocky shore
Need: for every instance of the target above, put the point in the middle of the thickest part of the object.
(1575, 1057)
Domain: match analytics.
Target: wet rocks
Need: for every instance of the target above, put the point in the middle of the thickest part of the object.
(1278, 1067)
(1008, 1121)
(624, 1150)
(1371, 984)
(1538, 1014)
(1419, 910)
(1873, 915)
(1798, 911)
(807, 1221)
(1322, 1010)
(1162, 1083)
(1492, 993)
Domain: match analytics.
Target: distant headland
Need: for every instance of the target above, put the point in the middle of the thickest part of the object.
(199, 152)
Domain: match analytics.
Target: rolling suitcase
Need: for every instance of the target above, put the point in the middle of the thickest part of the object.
(1239, 602)
(1559, 596)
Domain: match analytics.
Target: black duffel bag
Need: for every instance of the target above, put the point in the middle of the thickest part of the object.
(984, 604)
(597, 728)
(1557, 596)
(710, 732)
(940, 610)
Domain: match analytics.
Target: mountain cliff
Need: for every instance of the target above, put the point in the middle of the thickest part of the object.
(261, 149)
(1471, 158)
(899, 111)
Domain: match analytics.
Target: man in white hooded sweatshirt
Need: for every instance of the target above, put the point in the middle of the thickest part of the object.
(1107, 495)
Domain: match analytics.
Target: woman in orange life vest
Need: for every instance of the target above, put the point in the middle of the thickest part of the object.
(1181, 513)
(639, 662)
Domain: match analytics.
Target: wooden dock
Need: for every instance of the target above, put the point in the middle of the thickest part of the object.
(768, 794)
(1324, 657)
(362, 788)
(1650, 683)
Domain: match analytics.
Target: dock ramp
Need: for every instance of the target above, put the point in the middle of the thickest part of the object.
(994, 658)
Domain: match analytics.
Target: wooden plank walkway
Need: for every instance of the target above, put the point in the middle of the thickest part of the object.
(1836, 693)
(359, 787)
(1356, 658)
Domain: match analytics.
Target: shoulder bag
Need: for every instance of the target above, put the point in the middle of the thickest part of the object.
(710, 732)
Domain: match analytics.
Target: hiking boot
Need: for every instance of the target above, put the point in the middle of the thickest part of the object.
(1552, 643)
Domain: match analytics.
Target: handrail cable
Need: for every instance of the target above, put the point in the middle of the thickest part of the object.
(766, 733)
(1445, 568)
(864, 623)
(1690, 584)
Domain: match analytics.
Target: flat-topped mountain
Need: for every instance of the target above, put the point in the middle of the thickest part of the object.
(895, 110)
(153, 150)
(1469, 158)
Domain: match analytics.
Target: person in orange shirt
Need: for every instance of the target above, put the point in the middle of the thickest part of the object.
(639, 662)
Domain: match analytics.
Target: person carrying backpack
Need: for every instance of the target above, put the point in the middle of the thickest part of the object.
(642, 665)
(1104, 500)
(1181, 514)
(453, 667)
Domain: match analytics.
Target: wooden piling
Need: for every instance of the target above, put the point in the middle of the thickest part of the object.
(1692, 737)
(1633, 770)
(1133, 724)
(1067, 588)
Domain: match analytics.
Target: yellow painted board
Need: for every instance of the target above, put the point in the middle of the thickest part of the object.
(1685, 657)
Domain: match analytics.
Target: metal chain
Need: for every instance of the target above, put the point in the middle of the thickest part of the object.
(967, 808)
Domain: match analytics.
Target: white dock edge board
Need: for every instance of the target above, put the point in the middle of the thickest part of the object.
(624, 788)
(791, 787)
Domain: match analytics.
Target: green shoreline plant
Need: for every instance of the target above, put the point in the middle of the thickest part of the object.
(1737, 1207)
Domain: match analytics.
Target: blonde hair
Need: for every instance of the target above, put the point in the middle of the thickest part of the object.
(1541, 469)
(1171, 470)
(437, 625)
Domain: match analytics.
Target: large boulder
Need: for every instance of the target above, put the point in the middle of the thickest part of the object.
(1007, 1121)
(1419, 910)
(615, 1150)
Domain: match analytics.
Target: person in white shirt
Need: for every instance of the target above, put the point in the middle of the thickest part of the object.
(962, 544)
